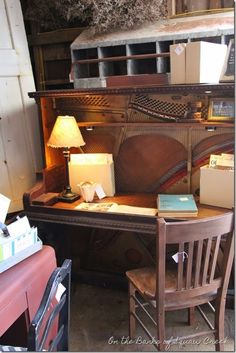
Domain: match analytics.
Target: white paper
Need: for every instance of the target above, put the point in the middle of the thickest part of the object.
(97, 207)
(142, 211)
(115, 208)
(91, 158)
(176, 256)
(4, 206)
(60, 290)
(228, 156)
(100, 192)
(19, 227)
(223, 160)
(179, 49)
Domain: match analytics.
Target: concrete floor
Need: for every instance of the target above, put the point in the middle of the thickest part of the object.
(99, 322)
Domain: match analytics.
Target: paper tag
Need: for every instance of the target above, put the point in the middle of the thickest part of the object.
(183, 199)
(178, 255)
(60, 290)
(4, 205)
(100, 192)
(179, 49)
(70, 78)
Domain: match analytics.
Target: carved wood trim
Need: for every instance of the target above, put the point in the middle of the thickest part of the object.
(181, 89)
(146, 225)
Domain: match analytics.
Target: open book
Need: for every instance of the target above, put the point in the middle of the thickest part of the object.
(115, 208)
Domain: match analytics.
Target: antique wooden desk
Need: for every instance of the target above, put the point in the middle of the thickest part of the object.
(22, 287)
(158, 140)
(65, 213)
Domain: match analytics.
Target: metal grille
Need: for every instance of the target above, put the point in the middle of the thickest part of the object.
(90, 100)
(204, 112)
(158, 109)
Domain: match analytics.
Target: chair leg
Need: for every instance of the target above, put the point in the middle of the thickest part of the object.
(191, 316)
(161, 332)
(219, 325)
(132, 320)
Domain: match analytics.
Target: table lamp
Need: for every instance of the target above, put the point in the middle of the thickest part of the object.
(66, 134)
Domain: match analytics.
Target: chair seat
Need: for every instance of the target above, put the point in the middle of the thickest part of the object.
(145, 280)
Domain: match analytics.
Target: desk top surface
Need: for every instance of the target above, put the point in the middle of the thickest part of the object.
(67, 213)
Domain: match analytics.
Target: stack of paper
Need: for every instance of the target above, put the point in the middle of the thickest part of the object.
(222, 161)
(115, 208)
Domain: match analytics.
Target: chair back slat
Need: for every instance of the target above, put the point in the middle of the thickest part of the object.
(214, 257)
(207, 251)
(180, 284)
(189, 265)
(198, 263)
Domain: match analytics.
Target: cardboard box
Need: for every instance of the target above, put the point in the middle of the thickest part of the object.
(217, 187)
(177, 63)
(204, 62)
(95, 167)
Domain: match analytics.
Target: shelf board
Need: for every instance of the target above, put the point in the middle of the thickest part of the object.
(191, 124)
(208, 89)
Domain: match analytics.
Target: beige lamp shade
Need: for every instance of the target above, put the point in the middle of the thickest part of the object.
(65, 133)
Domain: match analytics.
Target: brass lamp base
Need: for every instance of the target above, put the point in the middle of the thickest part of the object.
(66, 196)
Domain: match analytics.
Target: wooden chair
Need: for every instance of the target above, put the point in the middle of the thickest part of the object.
(49, 330)
(191, 282)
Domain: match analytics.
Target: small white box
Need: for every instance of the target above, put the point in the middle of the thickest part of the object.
(177, 63)
(95, 167)
(217, 187)
(23, 254)
(204, 62)
(12, 245)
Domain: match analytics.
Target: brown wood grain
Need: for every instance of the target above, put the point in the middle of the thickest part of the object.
(144, 159)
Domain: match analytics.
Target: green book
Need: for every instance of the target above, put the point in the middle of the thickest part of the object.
(182, 205)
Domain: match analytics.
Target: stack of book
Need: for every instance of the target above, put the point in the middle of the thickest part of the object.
(176, 205)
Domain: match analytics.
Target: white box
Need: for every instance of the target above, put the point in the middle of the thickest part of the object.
(23, 254)
(177, 63)
(95, 167)
(217, 187)
(12, 245)
(204, 62)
